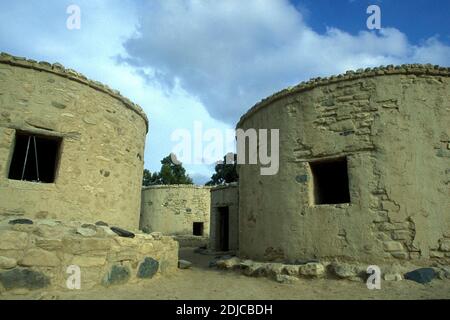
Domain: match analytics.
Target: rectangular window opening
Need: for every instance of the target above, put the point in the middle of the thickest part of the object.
(330, 180)
(35, 158)
(198, 229)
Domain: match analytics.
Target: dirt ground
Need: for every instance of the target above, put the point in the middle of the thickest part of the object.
(203, 283)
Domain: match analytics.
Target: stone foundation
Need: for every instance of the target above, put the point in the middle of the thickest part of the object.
(284, 272)
(42, 254)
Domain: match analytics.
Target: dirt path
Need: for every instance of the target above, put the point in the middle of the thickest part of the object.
(201, 282)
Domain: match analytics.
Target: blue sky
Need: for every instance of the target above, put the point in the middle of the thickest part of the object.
(418, 19)
(191, 61)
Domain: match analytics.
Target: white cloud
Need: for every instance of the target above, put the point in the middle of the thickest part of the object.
(230, 54)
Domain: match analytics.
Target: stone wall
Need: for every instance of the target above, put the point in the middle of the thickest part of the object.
(391, 124)
(100, 165)
(225, 196)
(37, 256)
(173, 209)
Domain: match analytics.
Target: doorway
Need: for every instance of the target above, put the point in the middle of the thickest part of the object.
(223, 228)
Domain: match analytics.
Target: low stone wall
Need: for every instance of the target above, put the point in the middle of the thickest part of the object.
(43, 254)
(188, 241)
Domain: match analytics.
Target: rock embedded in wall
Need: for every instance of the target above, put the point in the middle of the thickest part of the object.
(148, 268)
(23, 279)
(117, 275)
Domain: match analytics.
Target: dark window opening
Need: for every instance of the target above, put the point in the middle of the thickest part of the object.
(198, 229)
(223, 228)
(330, 181)
(34, 158)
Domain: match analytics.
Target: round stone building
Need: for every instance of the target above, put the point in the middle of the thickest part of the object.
(364, 169)
(70, 148)
(176, 209)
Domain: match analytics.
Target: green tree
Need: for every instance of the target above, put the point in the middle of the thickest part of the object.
(172, 172)
(225, 172)
(150, 179)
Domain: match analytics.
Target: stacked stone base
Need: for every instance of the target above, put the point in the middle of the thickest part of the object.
(47, 254)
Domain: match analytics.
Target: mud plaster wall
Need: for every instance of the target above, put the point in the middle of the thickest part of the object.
(173, 209)
(101, 162)
(393, 125)
(225, 196)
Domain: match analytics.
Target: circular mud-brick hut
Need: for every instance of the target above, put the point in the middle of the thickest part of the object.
(176, 209)
(70, 148)
(364, 172)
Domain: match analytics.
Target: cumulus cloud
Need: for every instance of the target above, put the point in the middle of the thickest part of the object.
(230, 54)
(190, 60)
(39, 32)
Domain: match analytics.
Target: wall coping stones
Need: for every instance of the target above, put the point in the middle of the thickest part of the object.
(406, 69)
(58, 69)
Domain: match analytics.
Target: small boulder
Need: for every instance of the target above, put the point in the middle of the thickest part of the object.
(344, 271)
(156, 235)
(23, 278)
(86, 232)
(143, 236)
(117, 275)
(312, 269)
(148, 268)
(446, 272)
(273, 269)
(422, 275)
(291, 270)
(105, 231)
(101, 223)
(122, 233)
(89, 226)
(228, 263)
(183, 264)
(7, 263)
(283, 278)
(255, 269)
(246, 263)
(21, 221)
